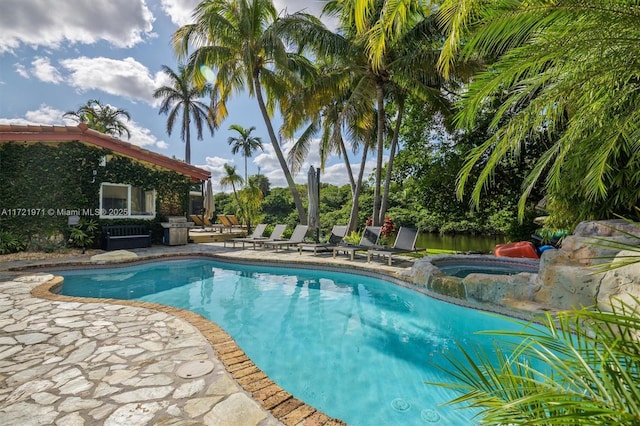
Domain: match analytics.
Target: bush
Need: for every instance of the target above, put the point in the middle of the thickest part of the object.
(11, 243)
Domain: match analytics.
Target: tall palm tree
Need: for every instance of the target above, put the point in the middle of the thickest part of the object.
(103, 118)
(232, 178)
(247, 44)
(244, 143)
(408, 67)
(550, 77)
(184, 96)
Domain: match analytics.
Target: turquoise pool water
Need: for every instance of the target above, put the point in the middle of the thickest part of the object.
(358, 348)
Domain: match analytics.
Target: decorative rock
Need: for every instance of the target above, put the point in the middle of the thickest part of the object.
(113, 256)
(620, 285)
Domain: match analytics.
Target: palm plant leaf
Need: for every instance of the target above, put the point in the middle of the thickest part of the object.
(580, 367)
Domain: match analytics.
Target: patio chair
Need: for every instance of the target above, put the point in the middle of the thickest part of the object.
(224, 220)
(276, 235)
(212, 226)
(368, 241)
(203, 224)
(255, 235)
(233, 220)
(297, 237)
(337, 234)
(405, 243)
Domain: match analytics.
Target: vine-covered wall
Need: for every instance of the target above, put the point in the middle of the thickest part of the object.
(41, 183)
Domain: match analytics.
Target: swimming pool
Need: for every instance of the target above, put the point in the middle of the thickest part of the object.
(358, 348)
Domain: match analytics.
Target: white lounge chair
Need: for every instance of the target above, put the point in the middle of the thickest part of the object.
(297, 237)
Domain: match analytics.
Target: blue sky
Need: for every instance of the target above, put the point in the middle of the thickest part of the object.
(55, 55)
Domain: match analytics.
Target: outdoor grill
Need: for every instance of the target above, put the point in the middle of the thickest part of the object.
(176, 231)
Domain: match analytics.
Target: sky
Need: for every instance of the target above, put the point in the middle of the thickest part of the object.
(55, 55)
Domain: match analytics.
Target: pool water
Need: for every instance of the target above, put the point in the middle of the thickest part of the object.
(358, 348)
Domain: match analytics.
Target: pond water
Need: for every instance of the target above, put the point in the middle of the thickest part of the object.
(460, 242)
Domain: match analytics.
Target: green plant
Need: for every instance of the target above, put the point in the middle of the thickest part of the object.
(83, 234)
(10, 243)
(353, 237)
(581, 368)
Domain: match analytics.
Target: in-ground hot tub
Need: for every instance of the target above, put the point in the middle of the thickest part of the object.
(478, 278)
(462, 266)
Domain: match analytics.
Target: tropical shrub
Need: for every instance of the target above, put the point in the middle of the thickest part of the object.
(11, 243)
(581, 368)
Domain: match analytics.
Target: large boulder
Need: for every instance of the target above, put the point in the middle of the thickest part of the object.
(621, 284)
(568, 277)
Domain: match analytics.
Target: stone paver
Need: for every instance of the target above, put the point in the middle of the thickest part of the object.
(79, 361)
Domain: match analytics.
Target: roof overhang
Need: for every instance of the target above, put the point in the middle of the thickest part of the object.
(81, 133)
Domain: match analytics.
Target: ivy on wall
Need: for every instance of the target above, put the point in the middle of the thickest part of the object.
(41, 183)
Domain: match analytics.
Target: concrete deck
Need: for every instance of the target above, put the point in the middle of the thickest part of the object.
(78, 361)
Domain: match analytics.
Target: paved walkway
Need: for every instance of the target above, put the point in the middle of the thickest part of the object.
(73, 361)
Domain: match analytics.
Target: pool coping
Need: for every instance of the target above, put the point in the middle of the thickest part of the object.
(281, 404)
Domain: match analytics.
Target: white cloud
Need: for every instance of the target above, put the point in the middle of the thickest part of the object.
(127, 77)
(37, 23)
(335, 171)
(179, 11)
(44, 71)
(22, 71)
(216, 166)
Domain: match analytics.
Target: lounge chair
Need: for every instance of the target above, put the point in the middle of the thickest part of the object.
(204, 224)
(255, 235)
(276, 235)
(212, 226)
(405, 243)
(368, 241)
(337, 234)
(296, 238)
(233, 220)
(224, 220)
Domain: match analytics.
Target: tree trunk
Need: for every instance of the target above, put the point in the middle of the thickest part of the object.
(347, 165)
(276, 147)
(392, 155)
(380, 151)
(353, 217)
(187, 139)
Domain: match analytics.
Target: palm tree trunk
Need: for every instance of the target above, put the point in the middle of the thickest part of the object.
(353, 217)
(392, 155)
(187, 139)
(276, 147)
(347, 165)
(380, 151)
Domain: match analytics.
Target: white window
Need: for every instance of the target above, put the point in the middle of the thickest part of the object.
(119, 201)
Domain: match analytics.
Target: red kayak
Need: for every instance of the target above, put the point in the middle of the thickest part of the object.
(519, 249)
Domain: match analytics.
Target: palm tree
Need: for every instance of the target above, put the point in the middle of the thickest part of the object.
(551, 78)
(244, 143)
(408, 67)
(103, 118)
(232, 178)
(244, 42)
(184, 96)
